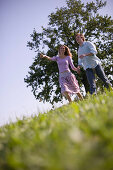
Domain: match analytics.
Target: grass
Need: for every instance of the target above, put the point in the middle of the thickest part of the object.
(77, 136)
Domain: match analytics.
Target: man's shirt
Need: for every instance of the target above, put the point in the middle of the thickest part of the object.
(88, 61)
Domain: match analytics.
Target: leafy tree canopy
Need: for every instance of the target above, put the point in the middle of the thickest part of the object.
(62, 26)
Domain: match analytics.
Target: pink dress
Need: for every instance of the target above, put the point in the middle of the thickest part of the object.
(67, 80)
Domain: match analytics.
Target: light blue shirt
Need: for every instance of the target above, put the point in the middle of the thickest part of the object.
(88, 61)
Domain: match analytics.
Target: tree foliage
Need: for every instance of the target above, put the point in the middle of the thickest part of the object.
(75, 17)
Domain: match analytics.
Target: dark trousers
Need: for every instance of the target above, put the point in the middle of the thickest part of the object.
(91, 77)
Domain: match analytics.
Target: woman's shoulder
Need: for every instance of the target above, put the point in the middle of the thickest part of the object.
(69, 57)
(54, 58)
(57, 57)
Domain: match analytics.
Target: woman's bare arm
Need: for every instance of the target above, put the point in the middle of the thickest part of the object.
(45, 56)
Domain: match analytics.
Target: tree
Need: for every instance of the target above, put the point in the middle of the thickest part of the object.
(62, 26)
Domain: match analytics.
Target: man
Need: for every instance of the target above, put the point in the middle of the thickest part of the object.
(90, 62)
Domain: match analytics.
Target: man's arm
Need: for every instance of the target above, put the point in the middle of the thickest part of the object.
(87, 54)
(92, 50)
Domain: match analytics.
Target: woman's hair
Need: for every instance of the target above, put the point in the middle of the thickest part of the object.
(67, 51)
(81, 35)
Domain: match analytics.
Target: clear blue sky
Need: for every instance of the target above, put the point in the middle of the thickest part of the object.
(18, 19)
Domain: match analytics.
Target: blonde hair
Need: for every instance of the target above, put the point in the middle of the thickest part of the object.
(81, 35)
(67, 51)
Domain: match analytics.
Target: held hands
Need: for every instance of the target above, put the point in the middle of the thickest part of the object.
(75, 69)
(78, 70)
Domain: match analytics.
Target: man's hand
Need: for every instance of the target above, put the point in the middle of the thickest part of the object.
(82, 56)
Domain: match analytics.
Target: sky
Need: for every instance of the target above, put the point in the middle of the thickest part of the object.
(18, 18)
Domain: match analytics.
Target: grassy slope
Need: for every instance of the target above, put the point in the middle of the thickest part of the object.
(78, 136)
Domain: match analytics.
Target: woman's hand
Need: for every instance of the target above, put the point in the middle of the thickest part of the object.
(45, 56)
(42, 56)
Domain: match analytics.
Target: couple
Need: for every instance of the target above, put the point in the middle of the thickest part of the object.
(87, 59)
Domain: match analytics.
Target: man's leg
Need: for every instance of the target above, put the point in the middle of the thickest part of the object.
(100, 73)
(91, 80)
(85, 81)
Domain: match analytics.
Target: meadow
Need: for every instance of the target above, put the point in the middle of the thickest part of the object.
(76, 136)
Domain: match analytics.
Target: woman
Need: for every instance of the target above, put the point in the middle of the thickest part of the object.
(67, 80)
